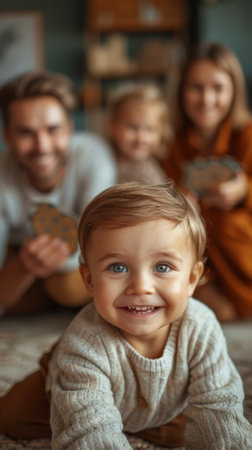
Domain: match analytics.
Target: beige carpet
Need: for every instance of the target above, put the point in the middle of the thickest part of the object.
(23, 340)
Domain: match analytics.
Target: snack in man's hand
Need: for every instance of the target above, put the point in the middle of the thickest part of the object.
(49, 220)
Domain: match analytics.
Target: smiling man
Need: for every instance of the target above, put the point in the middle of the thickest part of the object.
(44, 163)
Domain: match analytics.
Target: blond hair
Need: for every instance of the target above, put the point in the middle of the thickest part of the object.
(130, 204)
(145, 94)
(37, 84)
(224, 59)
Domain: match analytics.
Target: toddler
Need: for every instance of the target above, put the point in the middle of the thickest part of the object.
(138, 130)
(144, 350)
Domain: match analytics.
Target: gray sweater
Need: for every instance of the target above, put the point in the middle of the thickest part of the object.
(101, 387)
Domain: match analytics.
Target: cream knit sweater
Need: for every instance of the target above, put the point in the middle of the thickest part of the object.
(101, 387)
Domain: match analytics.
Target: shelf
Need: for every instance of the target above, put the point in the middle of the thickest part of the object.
(117, 74)
(129, 40)
(136, 15)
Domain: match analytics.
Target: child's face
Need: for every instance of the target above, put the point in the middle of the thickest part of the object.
(137, 130)
(141, 277)
(207, 95)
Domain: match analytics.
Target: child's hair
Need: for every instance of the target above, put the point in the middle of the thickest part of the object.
(37, 84)
(130, 204)
(145, 94)
(224, 59)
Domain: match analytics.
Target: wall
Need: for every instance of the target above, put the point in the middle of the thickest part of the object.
(230, 22)
(64, 23)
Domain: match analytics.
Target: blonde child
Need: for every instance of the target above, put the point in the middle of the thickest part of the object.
(211, 118)
(144, 350)
(138, 128)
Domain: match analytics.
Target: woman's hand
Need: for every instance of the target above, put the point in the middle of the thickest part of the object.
(227, 195)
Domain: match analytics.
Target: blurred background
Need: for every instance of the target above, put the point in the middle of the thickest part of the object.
(102, 43)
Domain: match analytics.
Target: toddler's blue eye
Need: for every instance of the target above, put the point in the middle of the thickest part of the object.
(163, 268)
(118, 268)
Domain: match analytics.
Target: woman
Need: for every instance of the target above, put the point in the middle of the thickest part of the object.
(212, 119)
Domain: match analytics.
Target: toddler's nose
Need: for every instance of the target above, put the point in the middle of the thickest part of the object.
(140, 284)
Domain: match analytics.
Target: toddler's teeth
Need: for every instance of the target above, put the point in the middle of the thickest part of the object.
(140, 308)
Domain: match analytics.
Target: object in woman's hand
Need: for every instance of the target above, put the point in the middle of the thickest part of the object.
(203, 173)
(49, 220)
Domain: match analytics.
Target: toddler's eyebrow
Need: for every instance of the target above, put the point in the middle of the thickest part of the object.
(110, 255)
(168, 254)
(159, 254)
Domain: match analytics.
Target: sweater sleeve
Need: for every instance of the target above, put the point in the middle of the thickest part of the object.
(83, 413)
(215, 410)
(244, 150)
(172, 165)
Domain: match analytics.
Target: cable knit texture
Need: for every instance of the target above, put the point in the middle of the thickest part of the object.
(101, 387)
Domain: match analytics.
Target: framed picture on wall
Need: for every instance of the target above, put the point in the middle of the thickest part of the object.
(21, 43)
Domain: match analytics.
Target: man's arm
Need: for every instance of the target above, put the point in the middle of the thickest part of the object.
(37, 258)
(15, 280)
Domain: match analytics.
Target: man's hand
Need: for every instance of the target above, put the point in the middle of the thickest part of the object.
(43, 255)
(228, 194)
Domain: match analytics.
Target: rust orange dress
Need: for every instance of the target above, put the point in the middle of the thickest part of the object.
(229, 232)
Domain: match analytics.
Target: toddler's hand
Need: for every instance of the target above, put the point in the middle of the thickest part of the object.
(43, 255)
(228, 194)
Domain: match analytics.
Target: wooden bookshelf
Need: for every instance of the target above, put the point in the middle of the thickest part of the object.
(136, 15)
(160, 27)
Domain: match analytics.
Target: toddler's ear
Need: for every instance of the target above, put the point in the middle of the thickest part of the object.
(87, 277)
(195, 276)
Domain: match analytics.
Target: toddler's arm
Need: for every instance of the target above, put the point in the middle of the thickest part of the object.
(83, 413)
(215, 409)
